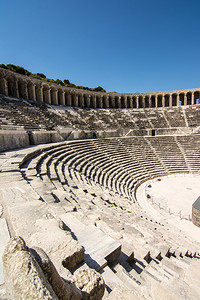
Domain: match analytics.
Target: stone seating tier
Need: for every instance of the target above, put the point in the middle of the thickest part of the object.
(33, 115)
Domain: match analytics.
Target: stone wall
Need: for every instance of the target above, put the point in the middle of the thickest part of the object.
(13, 139)
(196, 212)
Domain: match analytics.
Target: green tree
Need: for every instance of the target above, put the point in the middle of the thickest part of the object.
(66, 81)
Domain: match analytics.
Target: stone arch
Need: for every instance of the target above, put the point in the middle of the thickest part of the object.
(105, 101)
(93, 101)
(31, 90)
(60, 97)
(54, 95)
(80, 100)
(159, 101)
(12, 86)
(134, 102)
(174, 99)
(189, 98)
(85, 100)
(129, 102)
(182, 99)
(73, 100)
(38, 92)
(3, 84)
(46, 93)
(140, 99)
(98, 101)
(111, 101)
(153, 101)
(67, 98)
(166, 100)
(22, 88)
(146, 102)
(196, 97)
(123, 102)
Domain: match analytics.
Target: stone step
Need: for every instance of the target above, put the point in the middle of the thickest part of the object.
(100, 248)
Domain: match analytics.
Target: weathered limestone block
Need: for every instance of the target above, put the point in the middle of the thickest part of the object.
(89, 282)
(23, 276)
(59, 245)
(64, 290)
(74, 254)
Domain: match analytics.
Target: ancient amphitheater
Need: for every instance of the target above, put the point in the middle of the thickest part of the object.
(106, 184)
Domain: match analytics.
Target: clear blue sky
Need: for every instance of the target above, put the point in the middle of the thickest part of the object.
(121, 45)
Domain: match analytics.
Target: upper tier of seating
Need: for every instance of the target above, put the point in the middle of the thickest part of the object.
(33, 115)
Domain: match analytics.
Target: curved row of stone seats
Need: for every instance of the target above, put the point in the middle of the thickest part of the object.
(78, 173)
(117, 164)
(148, 118)
(90, 119)
(107, 119)
(106, 163)
(192, 115)
(143, 155)
(170, 154)
(140, 119)
(191, 148)
(29, 114)
(175, 116)
(107, 176)
(32, 115)
(154, 169)
(157, 118)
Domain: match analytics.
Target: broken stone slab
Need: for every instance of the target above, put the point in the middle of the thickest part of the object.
(4, 238)
(100, 248)
(63, 250)
(23, 277)
(89, 282)
(64, 289)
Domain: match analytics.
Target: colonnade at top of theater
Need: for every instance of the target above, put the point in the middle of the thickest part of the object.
(20, 86)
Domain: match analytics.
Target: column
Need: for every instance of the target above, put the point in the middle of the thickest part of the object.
(39, 92)
(23, 89)
(3, 86)
(170, 100)
(163, 100)
(76, 100)
(184, 99)
(156, 100)
(150, 101)
(31, 91)
(177, 99)
(137, 101)
(94, 104)
(131, 102)
(15, 88)
(125, 101)
(88, 101)
(192, 98)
